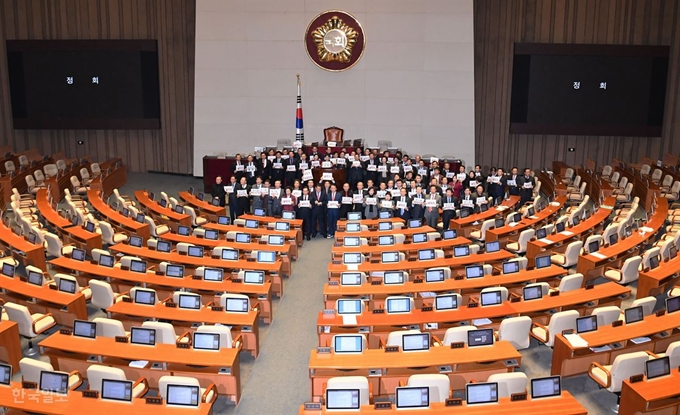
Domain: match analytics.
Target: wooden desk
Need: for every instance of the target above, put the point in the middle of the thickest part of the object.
(660, 279)
(65, 307)
(590, 265)
(371, 223)
(117, 220)
(642, 188)
(465, 225)
(294, 236)
(410, 249)
(22, 250)
(163, 214)
(164, 286)
(62, 181)
(18, 180)
(246, 323)
(593, 187)
(33, 401)
(76, 235)
(114, 176)
(294, 223)
(10, 344)
(651, 396)
(467, 364)
(374, 235)
(609, 293)
(564, 405)
(558, 242)
(570, 361)
(68, 353)
(550, 187)
(507, 232)
(560, 168)
(203, 207)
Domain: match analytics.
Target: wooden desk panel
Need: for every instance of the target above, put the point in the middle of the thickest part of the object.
(22, 250)
(371, 223)
(373, 235)
(609, 293)
(202, 206)
(293, 235)
(650, 396)
(114, 176)
(408, 248)
(165, 215)
(464, 226)
(10, 344)
(512, 232)
(294, 223)
(593, 187)
(660, 279)
(642, 188)
(550, 187)
(117, 220)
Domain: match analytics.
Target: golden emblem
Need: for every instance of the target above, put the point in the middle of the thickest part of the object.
(335, 40)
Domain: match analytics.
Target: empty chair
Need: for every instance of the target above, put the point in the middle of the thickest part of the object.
(10, 167)
(165, 332)
(666, 183)
(520, 246)
(480, 234)
(78, 188)
(673, 353)
(656, 176)
(31, 369)
(195, 220)
(606, 315)
(645, 169)
(352, 382)
(509, 383)
(85, 176)
(399, 238)
(503, 290)
(83, 290)
(207, 395)
(591, 239)
(125, 261)
(647, 303)
(96, 169)
(568, 175)
(394, 338)
(625, 196)
(438, 385)
(109, 236)
(578, 194)
(570, 256)
(614, 178)
(623, 182)
(51, 170)
(523, 262)
(226, 341)
(673, 192)
(673, 292)
(200, 233)
(30, 325)
(156, 230)
(107, 327)
(457, 334)
(611, 377)
(432, 236)
(559, 322)
(183, 247)
(123, 200)
(61, 165)
(570, 283)
(545, 287)
(606, 171)
(647, 256)
(33, 187)
(515, 330)
(23, 160)
(103, 296)
(628, 272)
(46, 276)
(610, 230)
(97, 373)
(575, 184)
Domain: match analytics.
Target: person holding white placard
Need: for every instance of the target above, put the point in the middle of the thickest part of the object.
(358, 197)
(232, 200)
(513, 188)
(264, 167)
(346, 204)
(218, 192)
(526, 185)
(403, 205)
(242, 196)
(387, 205)
(288, 201)
(304, 204)
(318, 198)
(291, 167)
(333, 209)
(258, 202)
(238, 169)
(448, 208)
(480, 197)
(432, 202)
(371, 204)
(467, 201)
(251, 170)
(274, 199)
(417, 203)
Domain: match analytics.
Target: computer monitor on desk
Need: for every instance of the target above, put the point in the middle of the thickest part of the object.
(613, 238)
(223, 220)
(541, 233)
(135, 241)
(351, 241)
(672, 304)
(145, 297)
(237, 305)
(534, 292)
(348, 344)
(353, 215)
(633, 314)
(78, 254)
(393, 277)
(474, 271)
(586, 324)
(288, 215)
(510, 267)
(176, 271)
(138, 266)
(182, 395)
(55, 382)
(385, 215)
(353, 227)
(252, 224)
(481, 393)
(107, 260)
(350, 278)
(230, 254)
(416, 342)
(242, 238)
(461, 251)
(593, 246)
(419, 238)
(183, 230)
(542, 261)
(349, 306)
(410, 397)
(390, 257)
(547, 387)
(415, 223)
(211, 234)
(163, 246)
(493, 246)
(351, 258)
(190, 302)
(179, 209)
(213, 274)
(282, 226)
(559, 227)
(259, 212)
(445, 302)
(117, 390)
(8, 270)
(67, 286)
(266, 256)
(206, 341)
(253, 277)
(195, 251)
(342, 399)
(86, 329)
(481, 337)
(386, 240)
(426, 254)
(434, 275)
(5, 374)
(491, 298)
(449, 234)
(659, 367)
(275, 240)
(398, 305)
(35, 278)
(143, 336)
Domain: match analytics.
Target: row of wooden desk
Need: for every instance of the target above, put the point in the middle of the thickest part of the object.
(115, 218)
(22, 250)
(511, 232)
(465, 225)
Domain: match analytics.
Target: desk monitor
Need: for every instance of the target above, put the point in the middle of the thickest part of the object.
(172, 270)
(55, 382)
(480, 393)
(223, 220)
(78, 254)
(252, 224)
(655, 368)
(195, 251)
(342, 399)
(213, 274)
(353, 227)
(445, 302)
(353, 215)
(462, 250)
(434, 275)
(191, 190)
(138, 266)
(183, 230)
(586, 324)
(415, 223)
(206, 341)
(534, 292)
(399, 305)
(266, 256)
(230, 254)
(531, 211)
(74, 222)
(237, 305)
(559, 227)
(654, 262)
(474, 271)
(179, 209)
(190, 302)
(89, 226)
(125, 212)
(547, 387)
(516, 217)
(510, 267)
(211, 234)
(419, 238)
(412, 397)
(629, 231)
(84, 328)
(349, 306)
(481, 337)
(386, 240)
(351, 258)
(253, 277)
(146, 297)
(282, 226)
(288, 215)
(163, 246)
(491, 297)
(5, 374)
(385, 215)
(35, 278)
(135, 241)
(32, 237)
(449, 234)
(593, 246)
(117, 390)
(390, 257)
(499, 223)
(672, 252)
(242, 238)
(575, 220)
(672, 304)
(426, 254)
(633, 314)
(113, 204)
(259, 212)
(384, 226)
(182, 395)
(493, 246)
(106, 260)
(395, 277)
(163, 203)
(140, 218)
(483, 207)
(8, 270)
(200, 196)
(277, 240)
(67, 286)
(351, 241)
(542, 261)
(415, 342)
(348, 344)
(350, 278)
(541, 233)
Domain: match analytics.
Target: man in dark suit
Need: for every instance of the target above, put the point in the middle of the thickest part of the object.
(359, 205)
(275, 193)
(242, 191)
(218, 191)
(278, 169)
(238, 169)
(305, 213)
(333, 212)
(467, 201)
(526, 185)
(371, 169)
(264, 167)
(417, 210)
(448, 208)
(291, 167)
(319, 199)
(513, 189)
(400, 211)
(251, 170)
(355, 172)
(233, 201)
(496, 187)
(346, 205)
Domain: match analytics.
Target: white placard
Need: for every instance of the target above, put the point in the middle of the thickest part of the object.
(449, 206)
(417, 201)
(371, 167)
(512, 183)
(270, 158)
(327, 176)
(241, 193)
(239, 167)
(356, 163)
(364, 158)
(307, 175)
(467, 203)
(433, 159)
(278, 165)
(264, 191)
(297, 144)
(316, 163)
(371, 201)
(340, 160)
(290, 167)
(430, 203)
(326, 165)
(449, 175)
(331, 144)
(229, 189)
(358, 198)
(305, 204)
(394, 169)
(285, 156)
(395, 192)
(408, 168)
(473, 183)
(333, 204)
(495, 179)
(401, 205)
(527, 185)
(296, 193)
(251, 169)
(387, 204)
(481, 200)
(346, 200)
(255, 192)
(303, 166)
(382, 169)
(422, 172)
(286, 201)
(275, 192)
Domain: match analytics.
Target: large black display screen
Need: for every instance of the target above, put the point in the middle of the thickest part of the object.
(75, 84)
(588, 89)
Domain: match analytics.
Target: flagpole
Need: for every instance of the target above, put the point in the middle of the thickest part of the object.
(299, 126)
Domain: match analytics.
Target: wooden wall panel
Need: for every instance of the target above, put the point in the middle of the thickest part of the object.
(501, 23)
(170, 22)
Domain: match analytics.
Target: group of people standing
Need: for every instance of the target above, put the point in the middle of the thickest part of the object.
(404, 187)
